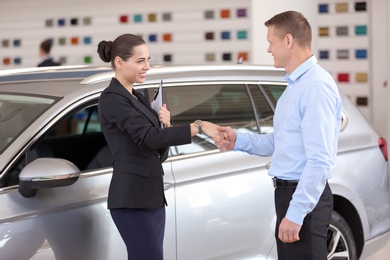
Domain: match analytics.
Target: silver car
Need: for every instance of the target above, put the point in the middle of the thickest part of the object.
(55, 169)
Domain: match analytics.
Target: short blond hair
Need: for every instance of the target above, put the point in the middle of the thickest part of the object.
(294, 23)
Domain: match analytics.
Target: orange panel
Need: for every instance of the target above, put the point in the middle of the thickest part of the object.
(243, 56)
(225, 13)
(74, 40)
(6, 61)
(167, 37)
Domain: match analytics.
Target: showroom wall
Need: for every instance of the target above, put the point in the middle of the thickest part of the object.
(349, 40)
(195, 32)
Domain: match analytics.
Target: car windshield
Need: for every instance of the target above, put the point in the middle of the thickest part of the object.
(17, 112)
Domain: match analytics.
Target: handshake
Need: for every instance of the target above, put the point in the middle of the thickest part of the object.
(224, 137)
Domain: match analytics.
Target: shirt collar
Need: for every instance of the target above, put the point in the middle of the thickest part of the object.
(301, 69)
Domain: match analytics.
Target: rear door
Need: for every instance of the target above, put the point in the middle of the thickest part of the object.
(224, 201)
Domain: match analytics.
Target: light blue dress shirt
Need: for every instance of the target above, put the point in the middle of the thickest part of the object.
(303, 145)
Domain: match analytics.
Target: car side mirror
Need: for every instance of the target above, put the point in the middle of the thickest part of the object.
(46, 173)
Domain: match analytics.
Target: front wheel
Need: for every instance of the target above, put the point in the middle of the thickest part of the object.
(340, 242)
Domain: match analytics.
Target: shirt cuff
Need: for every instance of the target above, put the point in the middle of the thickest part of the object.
(241, 141)
(295, 215)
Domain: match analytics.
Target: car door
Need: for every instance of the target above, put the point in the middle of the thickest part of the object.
(224, 200)
(69, 222)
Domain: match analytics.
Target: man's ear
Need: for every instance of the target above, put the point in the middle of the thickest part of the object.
(289, 40)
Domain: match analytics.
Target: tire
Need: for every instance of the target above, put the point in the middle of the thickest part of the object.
(340, 241)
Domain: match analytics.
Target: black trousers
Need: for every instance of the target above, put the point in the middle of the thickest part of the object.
(142, 230)
(312, 243)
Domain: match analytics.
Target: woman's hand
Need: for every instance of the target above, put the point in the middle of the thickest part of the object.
(164, 116)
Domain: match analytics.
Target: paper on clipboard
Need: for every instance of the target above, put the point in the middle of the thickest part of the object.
(157, 100)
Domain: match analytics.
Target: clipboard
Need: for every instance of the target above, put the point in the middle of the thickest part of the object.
(158, 100)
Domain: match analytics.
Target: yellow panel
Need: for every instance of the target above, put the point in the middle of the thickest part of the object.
(341, 7)
(361, 77)
(323, 31)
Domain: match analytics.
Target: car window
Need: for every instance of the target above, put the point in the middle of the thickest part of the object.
(83, 121)
(274, 91)
(76, 137)
(265, 97)
(222, 104)
(17, 112)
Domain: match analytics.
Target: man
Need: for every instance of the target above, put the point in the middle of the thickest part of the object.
(44, 53)
(304, 143)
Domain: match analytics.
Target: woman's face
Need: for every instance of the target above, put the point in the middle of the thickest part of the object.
(134, 69)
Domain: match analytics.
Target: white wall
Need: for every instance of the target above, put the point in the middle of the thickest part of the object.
(188, 26)
(262, 10)
(379, 70)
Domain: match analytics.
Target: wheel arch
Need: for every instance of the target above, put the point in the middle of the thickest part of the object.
(351, 216)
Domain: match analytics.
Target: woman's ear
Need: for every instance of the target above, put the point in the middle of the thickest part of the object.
(118, 62)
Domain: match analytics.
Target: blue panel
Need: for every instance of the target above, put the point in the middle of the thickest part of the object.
(324, 55)
(61, 22)
(323, 8)
(87, 40)
(361, 54)
(225, 35)
(17, 61)
(153, 38)
(17, 42)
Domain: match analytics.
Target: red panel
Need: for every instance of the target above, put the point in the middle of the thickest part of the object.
(123, 19)
(343, 77)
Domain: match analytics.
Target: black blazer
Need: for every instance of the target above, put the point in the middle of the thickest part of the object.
(138, 145)
(48, 62)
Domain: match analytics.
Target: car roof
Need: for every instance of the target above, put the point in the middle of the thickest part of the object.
(206, 72)
(50, 73)
(61, 80)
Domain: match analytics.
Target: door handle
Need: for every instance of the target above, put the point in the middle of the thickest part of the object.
(167, 185)
(268, 165)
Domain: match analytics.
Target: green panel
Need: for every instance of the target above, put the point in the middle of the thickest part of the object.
(361, 30)
(242, 35)
(87, 59)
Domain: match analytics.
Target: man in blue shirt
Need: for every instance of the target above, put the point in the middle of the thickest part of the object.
(304, 143)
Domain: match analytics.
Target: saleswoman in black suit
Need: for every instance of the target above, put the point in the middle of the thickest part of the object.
(139, 146)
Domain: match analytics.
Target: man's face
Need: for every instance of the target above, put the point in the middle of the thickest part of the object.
(278, 47)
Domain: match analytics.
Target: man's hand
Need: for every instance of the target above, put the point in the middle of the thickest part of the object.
(289, 231)
(229, 138)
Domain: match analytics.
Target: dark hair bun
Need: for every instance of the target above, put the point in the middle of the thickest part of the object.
(104, 50)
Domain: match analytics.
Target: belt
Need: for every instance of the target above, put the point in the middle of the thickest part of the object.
(279, 183)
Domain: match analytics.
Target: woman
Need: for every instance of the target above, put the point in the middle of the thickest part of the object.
(139, 146)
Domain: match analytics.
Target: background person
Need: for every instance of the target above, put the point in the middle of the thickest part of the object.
(139, 146)
(44, 53)
(304, 143)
